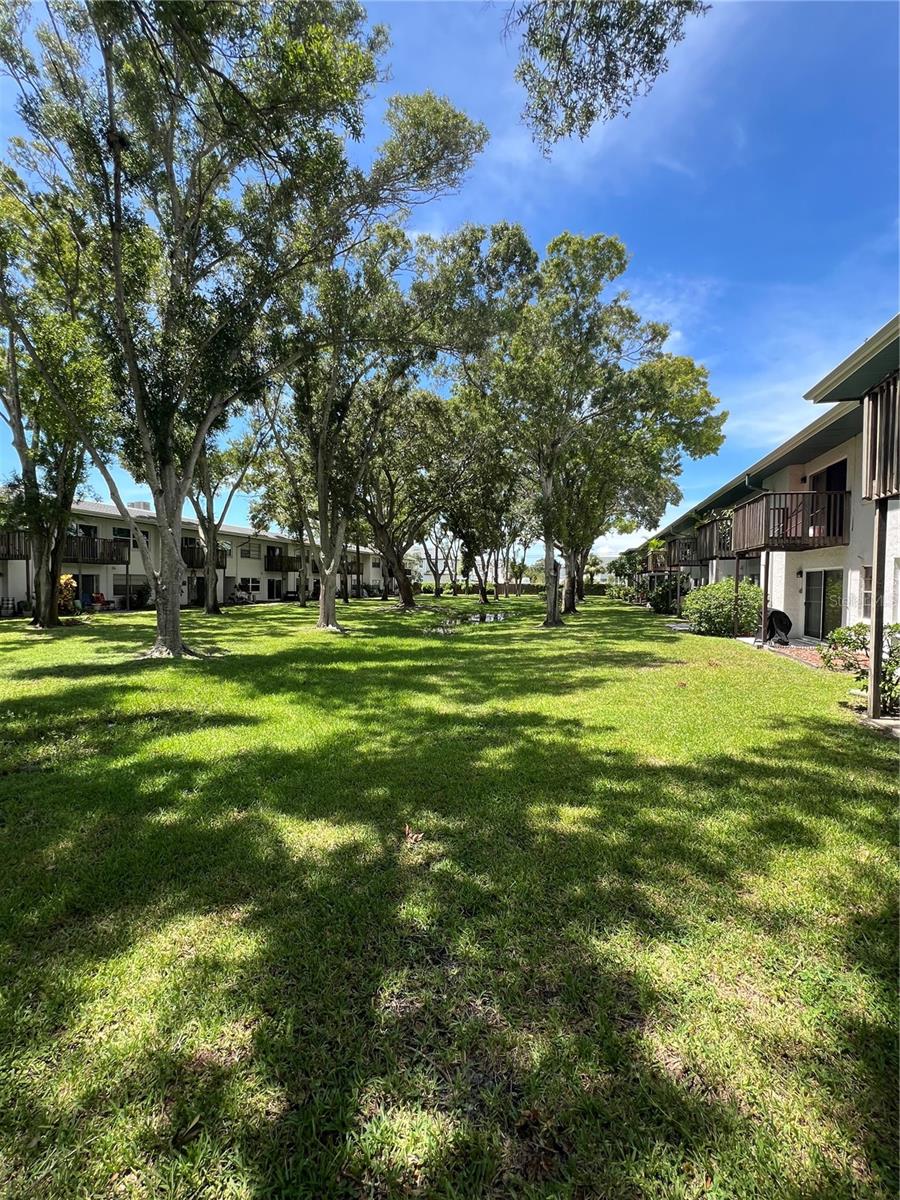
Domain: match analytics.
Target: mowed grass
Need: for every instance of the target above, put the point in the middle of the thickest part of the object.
(602, 912)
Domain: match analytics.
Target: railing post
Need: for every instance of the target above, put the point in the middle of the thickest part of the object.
(765, 602)
(876, 649)
(737, 579)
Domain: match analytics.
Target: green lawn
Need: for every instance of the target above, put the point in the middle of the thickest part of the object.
(639, 941)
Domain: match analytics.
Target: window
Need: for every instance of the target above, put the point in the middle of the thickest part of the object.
(865, 581)
(121, 533)
(251, 550)
(88, 531)
(136, 582)
(249, 584)
(376, 563)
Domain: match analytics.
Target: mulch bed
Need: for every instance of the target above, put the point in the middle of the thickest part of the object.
(805, 654)
(810, 655)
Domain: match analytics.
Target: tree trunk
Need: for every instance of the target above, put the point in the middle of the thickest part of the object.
(328, 601)
(482, 590)
(56, 560)
(359, 584)
(551, 571)
(169, 577)
(211, 575)
(303, 576)
(395, 560)
(45, 614)
(571, 582)
(580, 560)
(404, 585)
(434, 565)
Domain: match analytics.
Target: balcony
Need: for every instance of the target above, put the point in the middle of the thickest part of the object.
(714, 540)
(657, 560)
(13, 544)
(276, 561)
(682, 552)
(194, 557)
(792, 521)
(96, 550)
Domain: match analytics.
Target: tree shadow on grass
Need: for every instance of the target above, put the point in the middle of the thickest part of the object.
(338, 1006)
(384, 660)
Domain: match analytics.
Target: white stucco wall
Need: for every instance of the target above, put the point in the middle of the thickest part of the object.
(14, 581)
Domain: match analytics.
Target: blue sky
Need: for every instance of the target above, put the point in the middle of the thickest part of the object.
(756, 189)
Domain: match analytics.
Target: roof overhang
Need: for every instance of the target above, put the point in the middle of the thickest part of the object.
(863, 369)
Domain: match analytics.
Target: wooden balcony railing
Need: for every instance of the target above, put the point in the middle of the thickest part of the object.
(657, 560)
(194, 557)
(714, 540)
(792, 521)
(682, 552)
(13, 544)
(282, 562)
(96, 550)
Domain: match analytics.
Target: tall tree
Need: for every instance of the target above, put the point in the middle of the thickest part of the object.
(584, 61)
(441, 550)
(358, 333)
(519, 529)
(370, 324)
(283, 481)
(476, 508)
(580, 359)
(408, 480)
(616, 477)
(46, 288)
(193, 140)
(219, 475)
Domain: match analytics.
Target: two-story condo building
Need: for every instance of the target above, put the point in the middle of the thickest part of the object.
(816, 522)
(102, 557)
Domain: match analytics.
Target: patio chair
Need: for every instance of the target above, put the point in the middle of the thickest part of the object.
(99, 601)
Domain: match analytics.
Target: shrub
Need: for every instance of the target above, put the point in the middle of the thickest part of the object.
(427, 588)
(847, 649)
(710, 609)
(890, 670)
(844, 648)
(620, 591)
(66, 593)
(663, 598)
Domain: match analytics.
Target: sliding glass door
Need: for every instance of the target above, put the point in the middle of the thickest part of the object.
(824, 604)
